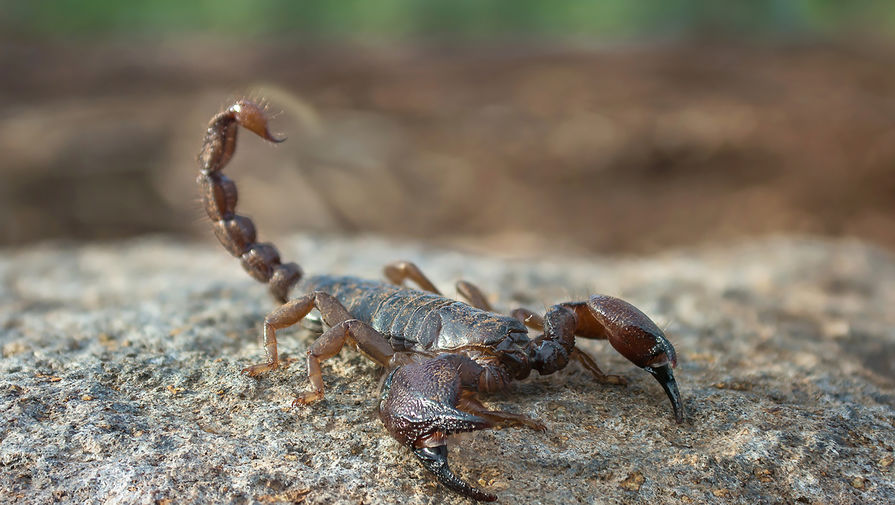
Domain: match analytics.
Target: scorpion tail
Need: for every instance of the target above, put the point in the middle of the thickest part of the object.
(418, 406)
(237, 233)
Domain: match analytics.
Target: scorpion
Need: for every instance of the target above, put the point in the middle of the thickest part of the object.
(438, 353)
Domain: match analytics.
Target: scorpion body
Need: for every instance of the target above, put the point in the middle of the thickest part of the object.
(418, 321)
(439, 353)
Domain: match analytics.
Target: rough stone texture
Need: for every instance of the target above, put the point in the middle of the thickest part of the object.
(119, 382)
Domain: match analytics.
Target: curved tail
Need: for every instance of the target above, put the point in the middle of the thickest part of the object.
(237, 233)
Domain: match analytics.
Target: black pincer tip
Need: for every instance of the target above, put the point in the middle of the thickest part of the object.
(665, 376)
(435, 460)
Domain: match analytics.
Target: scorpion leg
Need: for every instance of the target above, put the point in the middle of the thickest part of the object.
(590, 365)
(400, 271)
(529, 318)
(368, 341)
(281, 317)
(469, 403)
(473, 295)
(422, 403)
(343, 328)
(633, 334)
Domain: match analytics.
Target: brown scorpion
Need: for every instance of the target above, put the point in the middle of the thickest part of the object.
(438, 353)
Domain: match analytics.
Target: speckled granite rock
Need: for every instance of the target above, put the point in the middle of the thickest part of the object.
(119, 382)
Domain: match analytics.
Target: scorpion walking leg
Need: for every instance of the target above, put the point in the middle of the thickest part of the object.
(281, 317)
(473, 295)
(400, 271)
(590, 365)
(469, 403)
(529, 318)
(342, 328)
(368, 341)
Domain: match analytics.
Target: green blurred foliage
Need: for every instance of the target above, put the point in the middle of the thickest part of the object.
(401, 19)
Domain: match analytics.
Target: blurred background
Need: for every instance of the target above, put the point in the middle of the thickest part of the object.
(510, 126)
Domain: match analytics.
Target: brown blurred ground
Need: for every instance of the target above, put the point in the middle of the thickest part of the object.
(622, 149)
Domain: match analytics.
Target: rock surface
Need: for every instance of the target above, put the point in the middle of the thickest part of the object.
(119, 382)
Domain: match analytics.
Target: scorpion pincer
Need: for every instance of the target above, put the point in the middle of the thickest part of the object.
(439, 353)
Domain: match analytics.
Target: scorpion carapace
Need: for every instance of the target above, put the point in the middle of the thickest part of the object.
(439, 353)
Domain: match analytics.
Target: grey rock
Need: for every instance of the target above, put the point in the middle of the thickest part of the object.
(119, 381)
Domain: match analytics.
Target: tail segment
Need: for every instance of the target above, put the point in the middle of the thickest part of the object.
(237, 233)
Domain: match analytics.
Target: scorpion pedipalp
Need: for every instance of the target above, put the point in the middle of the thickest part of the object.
(419, 407)
(635, 336)
(631, 332)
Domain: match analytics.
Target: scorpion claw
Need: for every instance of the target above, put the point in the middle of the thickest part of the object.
(307, 398)
(257, 370)
(434, 459)
(636, 337)
(419, 407)
(665, 376)
(616, 380)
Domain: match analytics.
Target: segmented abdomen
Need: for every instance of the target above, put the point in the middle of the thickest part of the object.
(417, 320)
